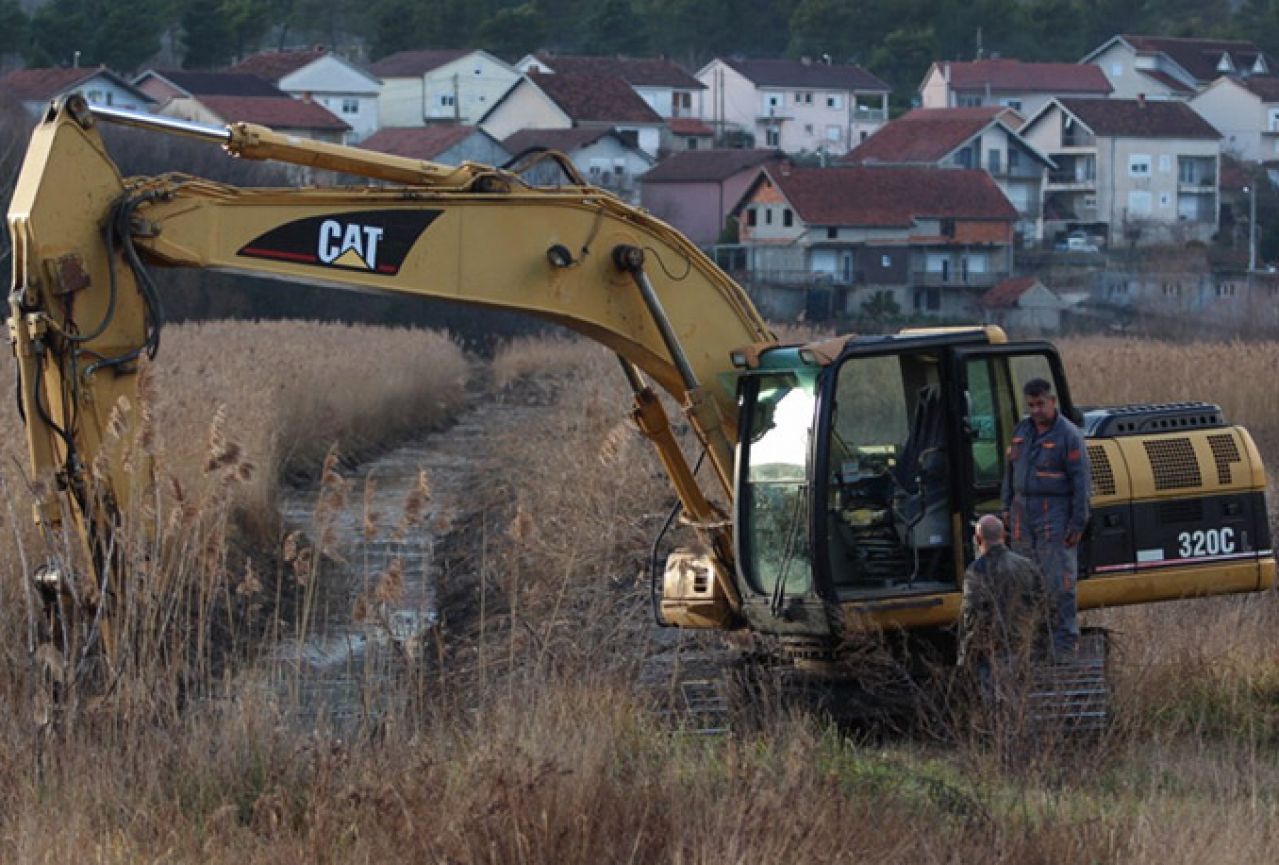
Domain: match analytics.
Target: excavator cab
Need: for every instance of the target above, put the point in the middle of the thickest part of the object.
(858, 473)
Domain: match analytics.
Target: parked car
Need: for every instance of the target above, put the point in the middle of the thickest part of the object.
(1077, 241)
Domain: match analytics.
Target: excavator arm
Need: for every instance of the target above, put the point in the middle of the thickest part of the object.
(84, 311)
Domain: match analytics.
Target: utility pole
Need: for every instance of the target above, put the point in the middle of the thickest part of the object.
(1252, 226)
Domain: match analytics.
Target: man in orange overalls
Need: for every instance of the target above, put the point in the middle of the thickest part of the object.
(1045, 495)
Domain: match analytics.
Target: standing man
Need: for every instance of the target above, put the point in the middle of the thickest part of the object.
(1046, 491)
(1001, 615)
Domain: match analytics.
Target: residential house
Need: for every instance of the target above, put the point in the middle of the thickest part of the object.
(318, 75)
(966, 138)
(696, 190)
(566, 101)
(281, 112)
(177, 91)
(446, 144)
(604, 157)
(1023, 305)
(1128, 170)
(1025, 87)
(1167, 67)
(1246, 113)
(932, 239)
(665, 85)
(36, 88)
(797, 106)
(440, 86)
(687, 133)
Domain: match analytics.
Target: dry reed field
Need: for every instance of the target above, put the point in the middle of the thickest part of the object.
(532, 741)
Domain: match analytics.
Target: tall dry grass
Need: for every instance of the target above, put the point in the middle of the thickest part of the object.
(535, 746)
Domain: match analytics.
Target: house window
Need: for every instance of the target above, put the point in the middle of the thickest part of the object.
(928, 299)
(1014, 104)
(1273, 120)
(808, 129)
(690, 143)
(865, 135)
(788, 217)
(1165, 163)
(833, 133)
(992, 162)
(1224, 64)
(682, 99)
(1138, 203)
(771, 137)
(885, 261)
(1138, 165)
(969, 100)
(751, 218)
(477, 70)
(1116, 70)
(350, 106)
(447, 100)
(832, 232)
(773, 101)
(95, 96)
(1014, 158)
(1164, 199)
(1225, 289)
(630, 137)
(768, 216)
(1090, 202)
(834, 100)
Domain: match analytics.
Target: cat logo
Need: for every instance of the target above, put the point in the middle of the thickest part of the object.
(370, 241)
(351, 245)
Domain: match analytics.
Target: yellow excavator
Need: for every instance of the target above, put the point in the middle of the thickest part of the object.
(851, 467)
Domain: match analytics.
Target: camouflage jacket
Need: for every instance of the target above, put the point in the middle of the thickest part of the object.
(1004, 601)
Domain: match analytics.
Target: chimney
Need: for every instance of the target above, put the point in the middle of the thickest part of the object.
(1141, 100)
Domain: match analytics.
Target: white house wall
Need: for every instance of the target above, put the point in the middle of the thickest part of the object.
(526, 107)
(346, 92)
(1240, 116)
(475, 82)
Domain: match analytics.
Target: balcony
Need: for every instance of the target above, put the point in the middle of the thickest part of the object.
(869, 115)
(930, 278)
(1070, 181)
(1078, 139)
(1197, 186)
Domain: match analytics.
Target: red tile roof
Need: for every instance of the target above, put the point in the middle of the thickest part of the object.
(1176, 85)
(217, 83)
(1199, 57)
(274, 65)
(708, 166)
(1136, 118)
(886, 196)
(1006, 293)
(1265, 87)
(563, 140)
(925, 135)
(689, 126)
(414, 64)
(278, 112)
(32, 85)
(636, 71)
(1027, 77)
(797, 73)
(589, 98)
(419, 142)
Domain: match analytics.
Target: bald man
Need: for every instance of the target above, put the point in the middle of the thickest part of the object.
(1002, 615)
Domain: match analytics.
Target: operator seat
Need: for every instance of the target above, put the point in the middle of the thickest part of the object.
(923, 498)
